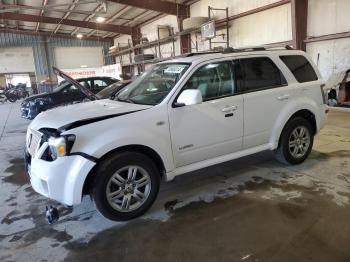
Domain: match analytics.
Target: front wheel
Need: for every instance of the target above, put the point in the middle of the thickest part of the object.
(126, 186)
(296, 141)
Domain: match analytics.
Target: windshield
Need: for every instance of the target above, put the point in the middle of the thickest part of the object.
(106, 92)
(153, 86)
(60, 86)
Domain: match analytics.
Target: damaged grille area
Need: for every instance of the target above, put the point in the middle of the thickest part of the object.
(33, 141)
(36, 139)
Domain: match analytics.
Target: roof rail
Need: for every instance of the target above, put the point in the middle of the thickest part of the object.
(255, 48)
(201, 53)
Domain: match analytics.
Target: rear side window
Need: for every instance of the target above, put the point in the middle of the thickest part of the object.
(300, 67)
(260, 73)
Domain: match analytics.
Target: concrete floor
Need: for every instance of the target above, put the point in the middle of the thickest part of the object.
(251, 209)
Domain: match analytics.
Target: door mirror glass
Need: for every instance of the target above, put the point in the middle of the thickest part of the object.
(189, 97)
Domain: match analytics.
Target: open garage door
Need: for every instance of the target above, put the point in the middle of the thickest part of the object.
(78, 57)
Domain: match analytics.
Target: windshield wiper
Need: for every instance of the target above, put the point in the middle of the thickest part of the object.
(127, 100)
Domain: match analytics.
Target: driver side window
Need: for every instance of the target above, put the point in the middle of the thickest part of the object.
(213, 80)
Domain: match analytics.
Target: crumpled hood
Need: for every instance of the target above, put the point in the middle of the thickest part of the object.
(83, 113)
(34, 97)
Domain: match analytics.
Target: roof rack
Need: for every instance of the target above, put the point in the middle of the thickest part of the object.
(256, 48)
(201, 53)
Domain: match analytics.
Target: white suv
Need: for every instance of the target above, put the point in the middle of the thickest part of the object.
(184, 114)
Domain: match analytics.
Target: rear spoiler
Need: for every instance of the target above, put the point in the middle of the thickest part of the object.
(74, 82)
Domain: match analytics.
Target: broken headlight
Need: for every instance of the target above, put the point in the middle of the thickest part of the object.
(60, 146)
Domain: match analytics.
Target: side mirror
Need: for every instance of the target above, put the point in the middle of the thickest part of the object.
(189, 97)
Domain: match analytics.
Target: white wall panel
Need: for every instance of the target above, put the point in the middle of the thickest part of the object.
(122, 40)
(16, 60)
(328, 17)
(270, 26)
(150, 31)
(200, 8)
(75, 57)
(330, 56)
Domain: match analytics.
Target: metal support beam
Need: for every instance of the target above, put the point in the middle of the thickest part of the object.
(185, 40)
(299, 23)
(50, 35)
(71, 7)
(89, 17)
(156, 5)
(114, 17)
(41, 14)
(51, 20)
(328, 37)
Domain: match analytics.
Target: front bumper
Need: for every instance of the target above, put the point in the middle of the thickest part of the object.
(61, 180)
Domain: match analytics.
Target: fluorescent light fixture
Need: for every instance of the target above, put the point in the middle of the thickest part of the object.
(79, 35)
(100, 19)
(83, 66)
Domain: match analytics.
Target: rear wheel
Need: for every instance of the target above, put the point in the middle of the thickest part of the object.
(126, 186)
(12, 99)
(296, 141)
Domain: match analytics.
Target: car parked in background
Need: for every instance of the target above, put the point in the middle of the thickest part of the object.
(65, 93)
(111, 90)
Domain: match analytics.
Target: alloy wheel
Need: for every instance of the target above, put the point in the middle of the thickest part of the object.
(128, 188)
(299, 142)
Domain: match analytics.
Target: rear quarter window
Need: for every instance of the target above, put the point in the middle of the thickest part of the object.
(300, 67)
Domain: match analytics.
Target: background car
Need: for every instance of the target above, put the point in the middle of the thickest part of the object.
(65, 93)
(113, 89)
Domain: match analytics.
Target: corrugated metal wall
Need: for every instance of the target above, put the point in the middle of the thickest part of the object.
(43, 63)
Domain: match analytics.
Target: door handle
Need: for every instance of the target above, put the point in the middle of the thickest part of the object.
(283, 97)
(229, 109)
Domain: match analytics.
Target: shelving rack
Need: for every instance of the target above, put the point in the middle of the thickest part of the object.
(156, 44)
(227, 42)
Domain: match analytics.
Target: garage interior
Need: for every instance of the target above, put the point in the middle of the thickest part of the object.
(250, 209)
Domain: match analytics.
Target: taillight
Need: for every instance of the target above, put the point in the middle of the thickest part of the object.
(324, 99)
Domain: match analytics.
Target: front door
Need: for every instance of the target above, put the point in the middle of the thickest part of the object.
(214, 127)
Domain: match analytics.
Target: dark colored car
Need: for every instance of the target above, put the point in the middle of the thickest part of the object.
(113, 89)
(65, 93)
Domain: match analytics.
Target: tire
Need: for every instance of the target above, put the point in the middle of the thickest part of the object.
(107, 182)
(12, 100)
(302, 145)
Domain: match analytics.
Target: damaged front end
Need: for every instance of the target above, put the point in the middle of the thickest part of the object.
(30, 108)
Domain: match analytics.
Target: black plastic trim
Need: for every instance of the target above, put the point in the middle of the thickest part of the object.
(91, 120)
(88, 157)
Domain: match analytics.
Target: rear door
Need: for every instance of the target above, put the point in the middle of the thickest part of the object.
(265, 92)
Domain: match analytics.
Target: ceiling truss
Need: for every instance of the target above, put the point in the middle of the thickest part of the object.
(13, 12)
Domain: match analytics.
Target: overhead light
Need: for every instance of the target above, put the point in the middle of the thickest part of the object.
(100, 19)
(79, 35)
(2, 25)
(83, 66)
